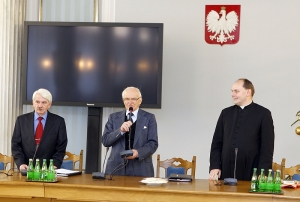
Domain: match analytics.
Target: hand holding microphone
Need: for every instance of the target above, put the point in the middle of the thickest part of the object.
(126, 126)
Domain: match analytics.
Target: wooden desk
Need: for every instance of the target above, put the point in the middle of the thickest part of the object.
(84, 188)
(15, 188)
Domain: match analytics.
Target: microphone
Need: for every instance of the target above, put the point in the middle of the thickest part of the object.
(232, 181)
(129, 134)
(101, 175)
(36, 148)
(129, 152)
(24, 171)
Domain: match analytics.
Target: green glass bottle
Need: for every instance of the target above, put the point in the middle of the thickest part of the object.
(277, 182)
(254, 183)
(30, 170)
(44, 171)
(51, 172)
(270, 182)
(262, 181)
(37, 170)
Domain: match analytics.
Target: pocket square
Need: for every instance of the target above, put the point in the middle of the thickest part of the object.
(145, 127)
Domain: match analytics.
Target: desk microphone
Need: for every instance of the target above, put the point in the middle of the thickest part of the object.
(24, 171)
(36, 148)
(101, 175)
(232, 181)
(125, 153)
(129, 152)
(129, 134)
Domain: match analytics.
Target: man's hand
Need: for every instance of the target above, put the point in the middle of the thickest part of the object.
(125, 126)
(214, 174)
(134, 155)
(23, 167)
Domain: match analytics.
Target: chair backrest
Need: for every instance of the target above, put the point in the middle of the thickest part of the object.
(7, 160)
(74, 159)
(289, 172)
(176, 163)
(296, 177)
(276, 166)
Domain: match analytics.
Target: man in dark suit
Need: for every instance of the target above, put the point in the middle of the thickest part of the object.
(244, 132)
(142, 140)
(25, 141)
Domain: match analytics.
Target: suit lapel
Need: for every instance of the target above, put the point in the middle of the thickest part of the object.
(30, 127)
(119, 122)
(140, 123)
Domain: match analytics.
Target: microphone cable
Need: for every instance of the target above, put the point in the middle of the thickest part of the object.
(129, 133)
(122, 165)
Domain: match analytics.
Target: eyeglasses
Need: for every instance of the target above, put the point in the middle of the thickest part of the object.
(131, 99)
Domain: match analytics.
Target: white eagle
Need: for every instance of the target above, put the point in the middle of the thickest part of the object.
(221, 26)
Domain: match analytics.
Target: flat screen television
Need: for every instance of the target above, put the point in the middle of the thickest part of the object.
(90, 64)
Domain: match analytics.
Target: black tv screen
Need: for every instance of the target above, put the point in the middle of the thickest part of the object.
(90, 64)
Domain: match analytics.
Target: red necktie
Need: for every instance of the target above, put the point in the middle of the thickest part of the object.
(39, 131)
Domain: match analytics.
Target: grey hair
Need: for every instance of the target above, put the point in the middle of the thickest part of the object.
(44, 93)
(131, 88)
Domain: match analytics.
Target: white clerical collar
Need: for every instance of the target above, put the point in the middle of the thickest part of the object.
(246, 105)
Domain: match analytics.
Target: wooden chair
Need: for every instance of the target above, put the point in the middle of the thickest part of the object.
(7, 160)
(176, 163)
(289, 172)
(276, 166)
(74, 159)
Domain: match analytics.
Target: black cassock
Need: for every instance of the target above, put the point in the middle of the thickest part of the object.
(251, 130)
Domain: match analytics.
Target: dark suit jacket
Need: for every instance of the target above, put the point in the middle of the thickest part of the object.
(250, 130)
(53, 143)
(145, 142)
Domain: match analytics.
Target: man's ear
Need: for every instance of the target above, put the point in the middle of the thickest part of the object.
(249, 93)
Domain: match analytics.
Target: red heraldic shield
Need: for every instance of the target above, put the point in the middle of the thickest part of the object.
(222, 24)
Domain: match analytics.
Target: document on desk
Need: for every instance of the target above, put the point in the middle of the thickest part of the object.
(66, 172)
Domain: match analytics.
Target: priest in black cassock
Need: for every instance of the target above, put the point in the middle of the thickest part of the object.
(245, 128)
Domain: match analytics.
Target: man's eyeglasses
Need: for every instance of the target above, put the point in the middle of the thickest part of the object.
(131, 99)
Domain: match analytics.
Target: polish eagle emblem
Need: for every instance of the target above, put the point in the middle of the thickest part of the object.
(221, 26)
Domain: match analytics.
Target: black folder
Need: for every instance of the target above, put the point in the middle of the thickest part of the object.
(180, 178)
